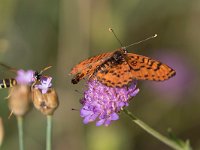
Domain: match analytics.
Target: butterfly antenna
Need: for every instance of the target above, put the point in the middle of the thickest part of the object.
(151, 37)
(111, 30)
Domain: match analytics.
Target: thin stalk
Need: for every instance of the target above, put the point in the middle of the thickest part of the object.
(49, 132)
(151, 131)
(20, 132)
(1, 132)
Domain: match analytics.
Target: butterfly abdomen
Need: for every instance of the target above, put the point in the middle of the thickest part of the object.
(116, 59)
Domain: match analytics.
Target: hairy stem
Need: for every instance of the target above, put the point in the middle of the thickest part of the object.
(49, 133)
(151, 131)
(20, 132)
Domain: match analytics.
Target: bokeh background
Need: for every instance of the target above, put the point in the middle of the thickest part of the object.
(35, 34)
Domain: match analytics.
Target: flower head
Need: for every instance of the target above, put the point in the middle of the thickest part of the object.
(19, 99)
(45, 84)
(24, 77)
(47, 103)
(103, 103)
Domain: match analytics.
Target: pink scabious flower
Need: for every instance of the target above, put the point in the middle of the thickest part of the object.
(103, 103)
(45, 84)
(24, 77)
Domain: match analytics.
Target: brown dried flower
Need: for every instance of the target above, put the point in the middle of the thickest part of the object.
(19, 99)
(47, 102)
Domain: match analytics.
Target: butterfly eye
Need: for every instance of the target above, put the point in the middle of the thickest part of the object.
(124, 50)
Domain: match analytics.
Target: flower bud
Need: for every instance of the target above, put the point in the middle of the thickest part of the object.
(19, 99)
(47, 103)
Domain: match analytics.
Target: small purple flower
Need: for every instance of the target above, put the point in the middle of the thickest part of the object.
(45, 84)
(24, 77)
(103, 103)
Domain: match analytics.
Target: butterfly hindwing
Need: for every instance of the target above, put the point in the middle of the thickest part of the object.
(114, 75)
(145, 68)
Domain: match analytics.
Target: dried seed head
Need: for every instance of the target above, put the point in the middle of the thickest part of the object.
(1, 131)
(19, 99)
(47, 103)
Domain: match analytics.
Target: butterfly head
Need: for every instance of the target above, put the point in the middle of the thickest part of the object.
(117, 57)
(124, 50)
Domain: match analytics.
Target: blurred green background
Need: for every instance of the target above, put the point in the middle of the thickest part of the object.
(35, 34)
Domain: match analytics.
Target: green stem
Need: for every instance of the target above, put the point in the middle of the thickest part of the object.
(49, 132)
(151, 131)
(20, 130)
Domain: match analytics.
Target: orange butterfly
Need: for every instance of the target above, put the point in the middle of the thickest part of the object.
(118, 68)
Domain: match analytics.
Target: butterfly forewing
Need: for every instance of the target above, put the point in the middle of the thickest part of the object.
(145, 68)
(87, 67)
(90, 63)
